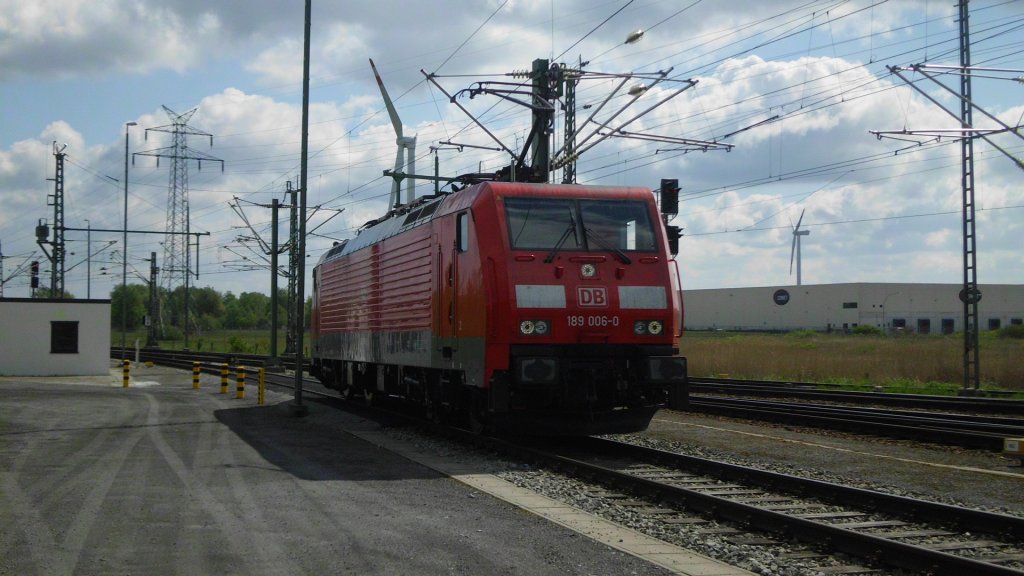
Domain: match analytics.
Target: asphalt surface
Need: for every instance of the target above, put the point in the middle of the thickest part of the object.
(163, 479)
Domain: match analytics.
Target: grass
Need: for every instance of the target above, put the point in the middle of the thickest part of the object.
(930, 364)
(237, 341)
(907, 363)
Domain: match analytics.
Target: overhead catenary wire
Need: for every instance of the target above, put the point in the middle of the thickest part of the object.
(361, 192)
(805, 113)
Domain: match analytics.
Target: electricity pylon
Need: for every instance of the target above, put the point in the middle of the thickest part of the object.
(177, 267)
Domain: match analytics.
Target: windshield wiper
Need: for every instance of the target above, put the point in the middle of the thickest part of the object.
(565, 236)
(605, 245)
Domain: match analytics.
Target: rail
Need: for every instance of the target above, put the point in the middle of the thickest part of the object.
(670, 481)
(814, 391)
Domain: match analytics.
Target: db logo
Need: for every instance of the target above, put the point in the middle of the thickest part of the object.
(592, 296)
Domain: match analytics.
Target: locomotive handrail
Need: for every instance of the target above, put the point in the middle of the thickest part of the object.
(679, 289)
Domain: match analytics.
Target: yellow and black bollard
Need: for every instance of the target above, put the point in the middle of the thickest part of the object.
(240, 388)
(195, 375)
(223, 378)
(261, 391)
(125, 372)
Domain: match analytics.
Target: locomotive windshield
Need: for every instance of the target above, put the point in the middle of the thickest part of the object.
(576, 224)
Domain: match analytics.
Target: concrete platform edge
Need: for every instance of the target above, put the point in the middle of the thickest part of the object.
(668, 556)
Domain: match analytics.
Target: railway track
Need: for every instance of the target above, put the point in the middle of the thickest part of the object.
(847, 530)
(181, 358)
(766, 508)
(814, 391)
(969, 430)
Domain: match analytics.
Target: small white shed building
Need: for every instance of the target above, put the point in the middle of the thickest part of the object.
(49, 337)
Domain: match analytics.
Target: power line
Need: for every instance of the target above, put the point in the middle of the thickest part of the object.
(853, 221)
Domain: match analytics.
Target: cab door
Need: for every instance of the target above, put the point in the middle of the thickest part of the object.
(459, 249)
(451, 244)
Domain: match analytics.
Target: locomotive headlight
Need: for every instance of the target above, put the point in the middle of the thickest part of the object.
(534, 327)
(588, 270)
(648, 327)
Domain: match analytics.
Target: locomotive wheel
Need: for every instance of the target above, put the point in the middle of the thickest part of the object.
(432, 412)
(477, 423)
(346, 393)
(432, 409)
(477, 414)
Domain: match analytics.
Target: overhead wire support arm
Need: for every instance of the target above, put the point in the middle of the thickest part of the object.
(690, 84)
(556, 162)
(941, 132)
(1014, 130)
(970, 129)
(336, 211)
(249, 263)
(430, 78)
(697, 145)
(237, 207)
(605, 136)
(460, 146)
(392, 173)
(484, 88)
(961, 69)
(548, 83)
(751, 127)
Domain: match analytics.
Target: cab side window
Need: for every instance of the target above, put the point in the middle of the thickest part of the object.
(462, 232)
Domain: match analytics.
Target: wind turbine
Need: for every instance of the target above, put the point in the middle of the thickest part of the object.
(797, 233)
(404, 143)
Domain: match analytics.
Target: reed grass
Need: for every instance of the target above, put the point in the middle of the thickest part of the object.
(233, 341)
(905, 363)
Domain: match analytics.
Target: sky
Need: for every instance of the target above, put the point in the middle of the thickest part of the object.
(796, 87)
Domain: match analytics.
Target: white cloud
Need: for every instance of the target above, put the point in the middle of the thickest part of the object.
(78, 38)
(866, 201)
(331, 57)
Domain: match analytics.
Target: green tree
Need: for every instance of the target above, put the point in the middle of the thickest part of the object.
(207, 302)
(257, 305)
(42, 293)
(207, 308)
(174, 307)
(246, 311)
(136, 298)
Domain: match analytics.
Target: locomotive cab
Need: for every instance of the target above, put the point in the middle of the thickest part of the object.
(593, 313)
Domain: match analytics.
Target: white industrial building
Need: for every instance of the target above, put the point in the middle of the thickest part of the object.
(44, 337)
(917, 308)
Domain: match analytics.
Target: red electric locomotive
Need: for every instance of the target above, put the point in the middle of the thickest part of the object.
(547, 308)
